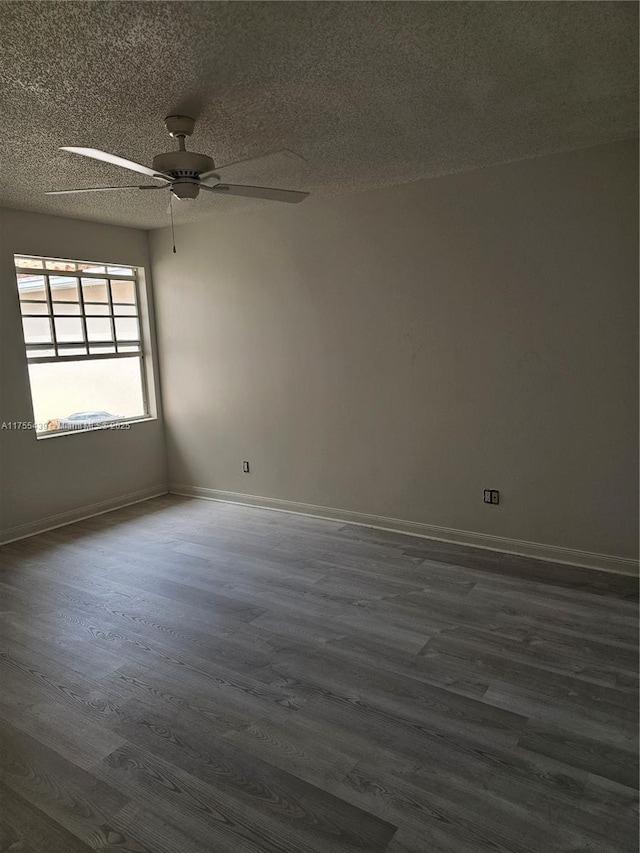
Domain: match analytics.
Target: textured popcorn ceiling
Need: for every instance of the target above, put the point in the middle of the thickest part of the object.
(370, 94)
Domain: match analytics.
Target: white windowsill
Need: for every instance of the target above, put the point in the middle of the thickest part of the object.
(111, 426)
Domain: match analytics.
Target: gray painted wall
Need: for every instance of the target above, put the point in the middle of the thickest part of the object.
(44, 478)
(395, 352)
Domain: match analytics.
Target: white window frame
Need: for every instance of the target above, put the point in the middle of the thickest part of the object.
(143, 342)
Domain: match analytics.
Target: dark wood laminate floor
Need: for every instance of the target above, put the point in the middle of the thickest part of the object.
(183, 676)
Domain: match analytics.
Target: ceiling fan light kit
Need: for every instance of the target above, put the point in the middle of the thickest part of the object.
(184, 172)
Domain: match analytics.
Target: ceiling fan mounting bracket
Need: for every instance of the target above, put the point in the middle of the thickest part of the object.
(178, 126)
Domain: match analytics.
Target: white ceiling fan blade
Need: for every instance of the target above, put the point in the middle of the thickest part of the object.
(96, 154)
(271, 193)
(279, 159)
(104, 189)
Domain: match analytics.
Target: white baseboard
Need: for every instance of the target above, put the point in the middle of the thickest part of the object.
(550, 553)
(51, 522)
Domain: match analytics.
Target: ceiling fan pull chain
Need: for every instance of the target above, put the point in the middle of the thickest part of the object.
(173, 233)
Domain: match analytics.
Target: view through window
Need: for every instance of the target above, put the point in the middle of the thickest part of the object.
(81, 324)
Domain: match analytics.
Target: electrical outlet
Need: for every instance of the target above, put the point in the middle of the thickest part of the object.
(491, 496)
(245, 467)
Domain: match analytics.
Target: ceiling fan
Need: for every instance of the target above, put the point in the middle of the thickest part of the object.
(184, 172)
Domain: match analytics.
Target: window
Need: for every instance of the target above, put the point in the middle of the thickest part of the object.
(82, 336)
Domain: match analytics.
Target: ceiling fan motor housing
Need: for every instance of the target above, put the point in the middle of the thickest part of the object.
(185, 167)
(183, 164)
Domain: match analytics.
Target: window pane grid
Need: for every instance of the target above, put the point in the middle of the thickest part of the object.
(83, 342)
(74, 320)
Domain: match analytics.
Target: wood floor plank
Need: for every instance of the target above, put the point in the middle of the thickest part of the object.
(76, 800)
(156, 831)
(607, 724)
(26, 829)
(66, 730)
(432, 708)
(577, 661)
(34, 673)
(183, 676)
(226, 707)
(293, 743)
(483, 817)
(599, 759)
(526, 568)
(470, 820)
(258, 786)
(260, 814)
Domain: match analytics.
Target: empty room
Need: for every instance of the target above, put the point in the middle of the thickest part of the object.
(319, 427)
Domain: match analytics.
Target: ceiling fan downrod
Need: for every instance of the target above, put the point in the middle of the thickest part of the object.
(185, 167)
